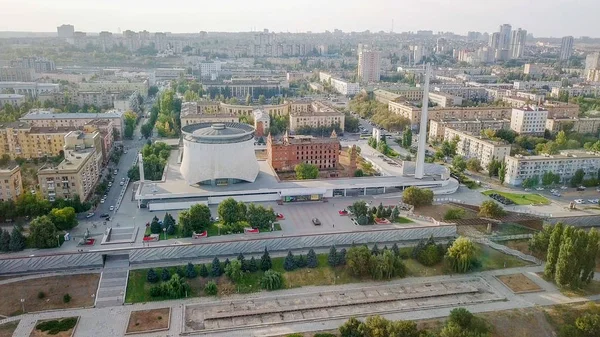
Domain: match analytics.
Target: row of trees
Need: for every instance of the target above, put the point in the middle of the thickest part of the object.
(32, 205)
(155, 157)
(168, 123)
(367, 107)
(382, 146)
(130, 119)
(460, 323)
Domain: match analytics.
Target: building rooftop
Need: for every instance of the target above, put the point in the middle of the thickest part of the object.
(73, 161)
(302, 139)
(563, 155)
(49, 114)
(15, 125)
(5, 96)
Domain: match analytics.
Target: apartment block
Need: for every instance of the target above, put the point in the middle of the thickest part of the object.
(31, 89)
(437, 129)
(369, 62)
(384, 96)
(413, 113)
(579, 125)
(11, 99)
(341, 86)
(565, 164)
(319, 115)
(51, 119)
(444, 100)
(475, 146)
(77, 174)
(116, 86)
(14, 74)
(21, 140)
(528, 85)
(591, 90)
(11, 184)
(529, 120)
(106, 131)
(290, 151)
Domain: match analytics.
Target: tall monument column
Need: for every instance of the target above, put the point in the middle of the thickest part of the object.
(141, 166)
(420, 164)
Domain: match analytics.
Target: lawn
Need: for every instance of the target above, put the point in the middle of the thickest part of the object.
(138, 289)
(401, 219)
(522, 199)
(47, 293)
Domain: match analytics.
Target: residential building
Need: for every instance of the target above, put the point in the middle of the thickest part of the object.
(399, 95)
(201, 107)
(242, 87)
(437, 128)
(566, 48)
(14, 74)
(11, 184)
(101, 99)
(51, 119)
(117, 86)
(475, 146)
(77, 174)
(11, 99)
(209, 118)
(532, 69)
(384, 96)
(38, 64)
(592, 64)
(578, 124)
(369, 63)
(285, 154)
(413, 113)
(127, 102)
(168, 74)
(561, 110)
(22, 140)
(105, 128)
(296, 76)
(565, 164)
(262, 122)
(31, 89)
(528, 85)
(341, 86)
(517, 43)
(318, 115)
(584, 90)
(210, 70)
(444, 100)
(529, 120)
(65, 31)
(80, 140)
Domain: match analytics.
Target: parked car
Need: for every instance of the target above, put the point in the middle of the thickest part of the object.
(579, 201)
(122, 183)
(581, 188)
(89, 215)
(563, 187)
(112, 208)
(593, 201)
(539, 188)
(102, 201)
(104, 215)
(316, 222)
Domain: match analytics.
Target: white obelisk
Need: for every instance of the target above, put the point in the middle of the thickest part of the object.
(420, 165)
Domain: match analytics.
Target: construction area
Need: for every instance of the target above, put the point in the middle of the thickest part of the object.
(388, 298)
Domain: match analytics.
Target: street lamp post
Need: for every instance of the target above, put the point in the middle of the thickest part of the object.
(165, 231)
(23, 304)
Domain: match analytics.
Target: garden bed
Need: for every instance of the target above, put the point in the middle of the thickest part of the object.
(60, 327)
(519, 283)
(147, 321)
(520, 198)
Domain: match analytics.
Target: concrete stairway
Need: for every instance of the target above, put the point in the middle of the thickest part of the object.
(113, 281)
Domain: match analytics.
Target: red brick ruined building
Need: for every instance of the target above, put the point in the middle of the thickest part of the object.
(285, 154)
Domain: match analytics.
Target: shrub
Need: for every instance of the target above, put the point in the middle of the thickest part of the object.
(265, 261)
(216, 268)
(151, 277)
(311, 259)
(332, 258)
(190, 271)
(300, 261)
(323, 335)
(454, 214)
(295, 335)
(179, 271)
(165, 275)
(271, 280)
(156, 291)
(211, 288)
(341, 257)
(67, 298)
(289, 263)
(203, 270)
(252, 266)
(430, 256)
(41, 295)
(55, 326)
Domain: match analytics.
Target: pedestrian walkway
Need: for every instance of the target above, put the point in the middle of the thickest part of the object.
(113, 281)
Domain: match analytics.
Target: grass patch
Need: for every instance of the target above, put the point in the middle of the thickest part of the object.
(56, 326)
(521, 199)
(491, 259)
(402, 219)
(7, 329)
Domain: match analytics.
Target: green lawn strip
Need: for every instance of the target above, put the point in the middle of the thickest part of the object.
(401, 219)
(138, 290)
(521, 198)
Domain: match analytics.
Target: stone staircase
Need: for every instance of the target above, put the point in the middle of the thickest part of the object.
(113, 281)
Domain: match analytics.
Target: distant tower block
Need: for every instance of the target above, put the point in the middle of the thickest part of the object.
(141, 167)
(420, 164)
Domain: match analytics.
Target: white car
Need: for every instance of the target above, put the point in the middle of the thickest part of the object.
(112, 208)
(539, 188)
(563, 187)
(102, 201)
(122, 183)
(579, 201)
(593, 201)
(527, 189)
(553, 191)
(89, 215)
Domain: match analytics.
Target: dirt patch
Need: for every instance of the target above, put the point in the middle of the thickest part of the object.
(519, 283)
(149, 320)
(7, 329)
(438, 211)
(47, 293)
(523, 247)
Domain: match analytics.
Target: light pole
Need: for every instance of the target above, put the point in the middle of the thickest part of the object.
(165, 231)
(58, 240)
(23, 304)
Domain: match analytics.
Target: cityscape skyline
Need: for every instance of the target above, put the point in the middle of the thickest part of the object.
(239, 16)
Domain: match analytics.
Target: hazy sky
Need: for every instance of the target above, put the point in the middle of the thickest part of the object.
(540, 17)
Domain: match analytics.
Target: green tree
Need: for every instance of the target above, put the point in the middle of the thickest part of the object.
(403, 329)
(591, 252)
(261, 99)
(549, 178)
(211, 288)
(564, 265)
(203, 270)
(375, 326)
(231, 211)
(553, 250)
(151, 276)
(248, 99)
(462, 255)
(63, 218)
(5, 241)
(252, 265)
(577, 178)
(43, 233)
(311, 259)
(350, 328)
(260, 217)
(234, 271)
(358, 260)
(196, 219)
(491, 209)
(165, 275)
(531, 182)
(155, 227)
(152, 91)
(306, 171)
(289, 263)
(502, 172)
(588, 325)
(541, 240)
(417, 197)
(474, 165)
(271, 280)
(407, 138)
(190, 271)
(359, 208)
(561, 139)
(459, 163)
(493, 167)
(265, 261)
(216, 268)
(332, 257)
(17, 241)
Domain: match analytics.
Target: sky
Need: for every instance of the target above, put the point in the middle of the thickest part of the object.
(543, 18)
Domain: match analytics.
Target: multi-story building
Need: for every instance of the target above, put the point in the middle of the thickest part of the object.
(413, 113)
(561, 110)
(341, 86)
(566, 48)
(587, 90)
(80, 140)
(517, 43)
(105, 128)
(529, 120)
(437, 128)
(168, 74)
(127, 102)
(285, 154)
(210, 70)
(65, 31)
(369, 63)
(262, 122)
(565, 164)
(528, 85)
(579, 124)
(21, 140)
(11, 99)
(209, 118)
(470, 93)
(319, 115)
(77, 174)
(116, 87)
(102, 99)
(242, 87)
(51, 119)
(592, 63)
(31, 89)
(38, 64)
(11, 184)
(14, 74)
(384, 96)
(444, 100)
(473, 146)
